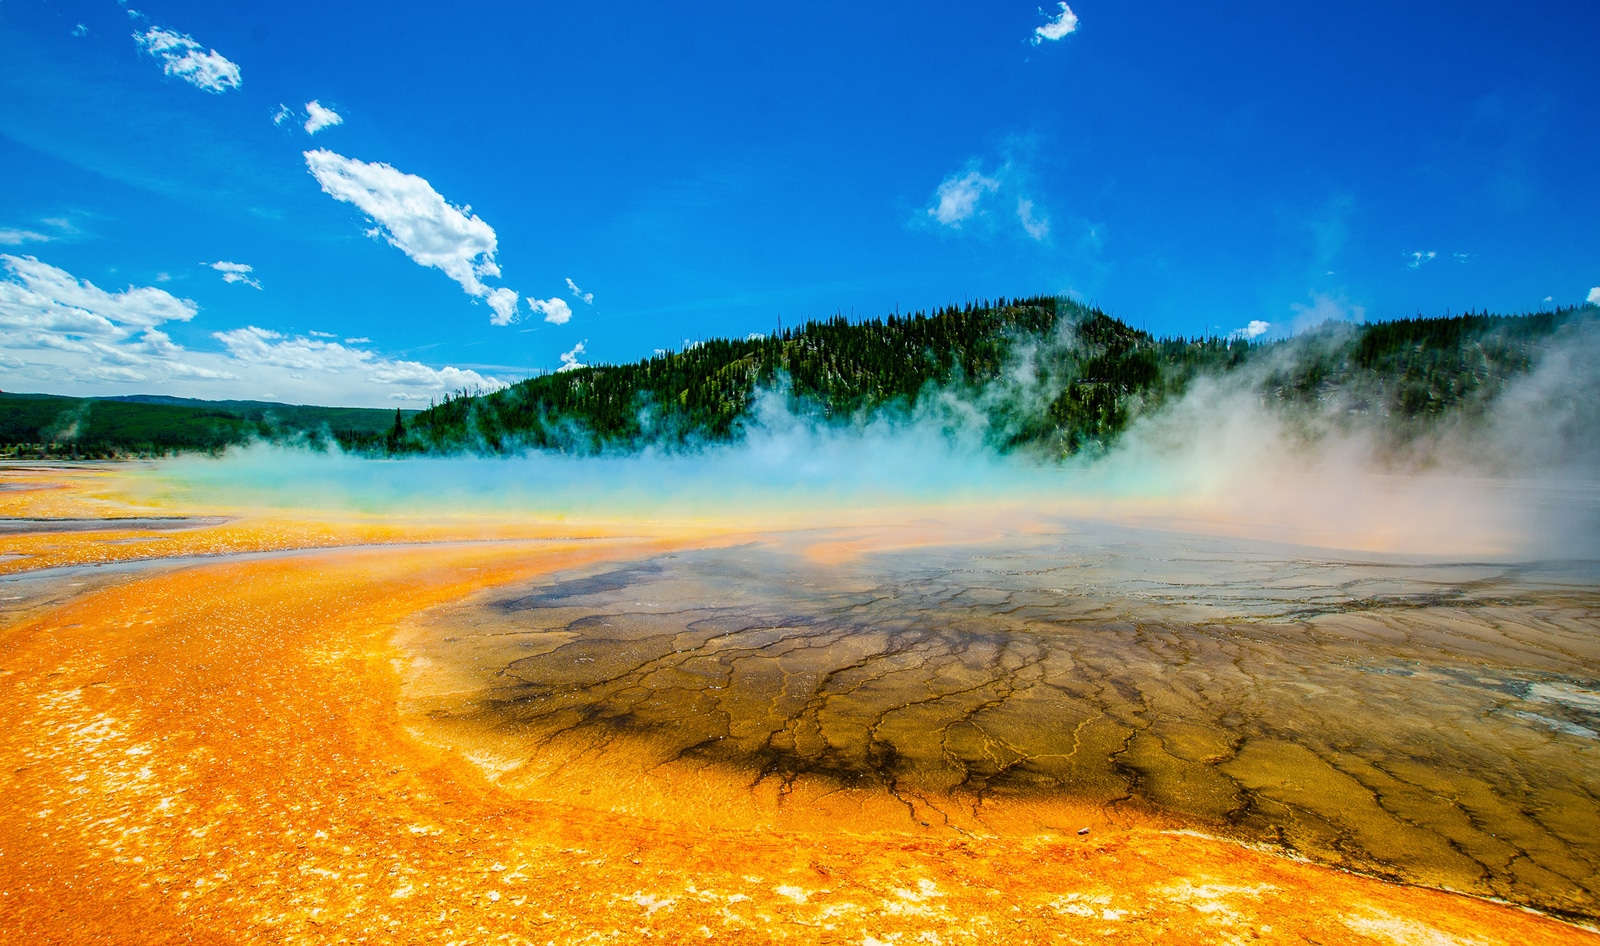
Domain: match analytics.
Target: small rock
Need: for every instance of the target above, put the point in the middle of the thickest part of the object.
(1083, 831)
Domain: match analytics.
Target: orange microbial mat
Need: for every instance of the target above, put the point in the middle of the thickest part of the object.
(241, 725)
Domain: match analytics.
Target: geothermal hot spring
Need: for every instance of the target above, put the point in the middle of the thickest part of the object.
(1425, 721)
(876, 647)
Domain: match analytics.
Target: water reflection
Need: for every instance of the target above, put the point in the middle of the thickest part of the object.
(1429, 722)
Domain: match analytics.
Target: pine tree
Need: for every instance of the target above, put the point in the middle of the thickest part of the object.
(398, 433)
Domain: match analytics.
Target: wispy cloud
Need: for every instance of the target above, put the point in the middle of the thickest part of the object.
(316, 334)
(555, 309)
(957, 197)
(569, 359)
(11, 237)
(80, 30)
(16, 236)
(1255, 329)
(235, 273)
(963, 199)
(186, 59)
(1326, 308)
(258, 346)
(1420, 257)
(66, 332)
(587, 298)
(1036, 225)
(419, 222)
(283, 114)
(1056, 27)
(1461, 257)
(319, 117)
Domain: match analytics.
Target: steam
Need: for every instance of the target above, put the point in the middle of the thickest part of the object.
(1519, 479)
(1515, 482)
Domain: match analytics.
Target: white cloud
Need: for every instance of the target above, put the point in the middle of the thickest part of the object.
(1038, 226)
(41, 298)
(61, 322)
(555, 309)
(569, 359)
(963, 199)
(16, 236)
(65, 335)
(1419, 257)
(316, 334)
(80, 30)
(587, 298)
(235, 273)
(1462, 257)
(504, 303)
(283, 114)
(358, 340)
(1056, 27)
(1594, 296)
(319, 117)
(416, 220)
(181, 56)
(1255, 329)
(10, 237)
(259, 346)
(958, 196)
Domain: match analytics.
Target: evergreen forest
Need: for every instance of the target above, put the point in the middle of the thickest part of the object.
(1044, 375)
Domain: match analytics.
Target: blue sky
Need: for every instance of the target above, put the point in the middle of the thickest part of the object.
(706, 169)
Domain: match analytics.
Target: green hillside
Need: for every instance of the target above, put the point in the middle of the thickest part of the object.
(1042, 375)
(43, 425)
(1046, 375)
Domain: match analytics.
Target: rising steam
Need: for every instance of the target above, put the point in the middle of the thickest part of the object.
(1513, 477)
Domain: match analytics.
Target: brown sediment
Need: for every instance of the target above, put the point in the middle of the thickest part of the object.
(1429, 724)
(214, 753)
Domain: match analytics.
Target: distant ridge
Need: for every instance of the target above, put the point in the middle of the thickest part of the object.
(200, 402)
(48, 425)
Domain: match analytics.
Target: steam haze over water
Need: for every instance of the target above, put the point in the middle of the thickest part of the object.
(1517, 482)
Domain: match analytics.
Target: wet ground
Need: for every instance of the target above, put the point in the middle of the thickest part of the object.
(312, 726)
(1430, 722)
(39, 525)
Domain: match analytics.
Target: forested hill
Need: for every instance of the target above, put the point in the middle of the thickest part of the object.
(45, 425)
(1044, 374)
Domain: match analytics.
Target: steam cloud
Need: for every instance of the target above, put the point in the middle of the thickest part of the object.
(1515, 482)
